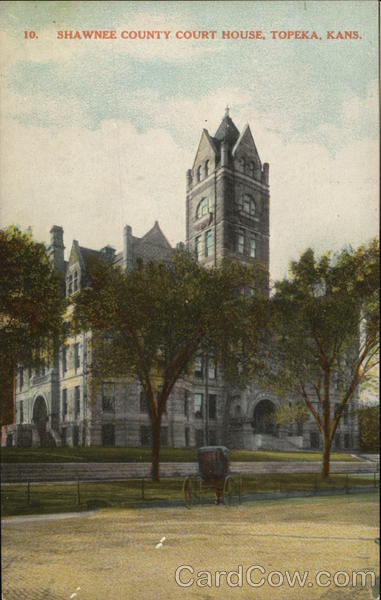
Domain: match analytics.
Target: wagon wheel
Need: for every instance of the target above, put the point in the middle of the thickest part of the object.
(191, 489)
(228, 491)
(187, 492)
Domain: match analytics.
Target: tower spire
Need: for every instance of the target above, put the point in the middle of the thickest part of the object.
(227, 110)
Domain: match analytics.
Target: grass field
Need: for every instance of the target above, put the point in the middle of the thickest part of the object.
(100, 454)
(113, 554)
(55, 497)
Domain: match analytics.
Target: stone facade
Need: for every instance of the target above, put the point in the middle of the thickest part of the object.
(227, 216)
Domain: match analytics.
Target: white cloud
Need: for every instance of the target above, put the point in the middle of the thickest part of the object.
(94, 182)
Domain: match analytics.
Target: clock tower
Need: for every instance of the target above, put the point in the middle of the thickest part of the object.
(227, 199)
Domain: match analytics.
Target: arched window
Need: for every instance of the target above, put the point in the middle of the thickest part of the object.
(206, 168)
(202, 208)
(248, 205)
(199, 173)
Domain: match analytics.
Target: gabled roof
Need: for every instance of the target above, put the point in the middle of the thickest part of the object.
(155, 237)
(211, 141)
(246, 133)
(90, 253)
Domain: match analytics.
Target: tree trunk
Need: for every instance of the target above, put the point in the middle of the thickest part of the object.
(326, 453)
(155, 467)
(326, 429)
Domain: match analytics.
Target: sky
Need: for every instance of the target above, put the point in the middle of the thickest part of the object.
(97, 134)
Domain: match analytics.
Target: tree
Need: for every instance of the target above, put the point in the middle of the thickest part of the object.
(31, 309)
(369, 417)
(325, 333)
(296, 413)
(151, 323)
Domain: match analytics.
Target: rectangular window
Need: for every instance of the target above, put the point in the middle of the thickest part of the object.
(77, 401)
(164, 436)
(75, 436)
(145, 435)
(212, 437)
(314, 440)
(212, 371)
(240, 242)
(197, 247)
(21, 408)
(212, 406)
(208, 243)
(198, 402)
(345, 415)
(253, 248)
(64, 359)
(108, 434)
(199, 434)
(77, 361)
(64, 403)
(338, 440)
(21, 378)
(108, 397)
(198, 366)
(347, 441)
(143, 402)
(186, 403)
(187, 436)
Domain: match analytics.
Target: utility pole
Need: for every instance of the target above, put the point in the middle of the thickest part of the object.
(206, 390)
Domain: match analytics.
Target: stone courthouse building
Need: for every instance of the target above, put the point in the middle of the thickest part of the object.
(227, 215)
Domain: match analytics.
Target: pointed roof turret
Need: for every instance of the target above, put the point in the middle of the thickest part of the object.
(227, 131)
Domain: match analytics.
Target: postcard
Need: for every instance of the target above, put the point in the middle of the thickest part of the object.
(246, 130)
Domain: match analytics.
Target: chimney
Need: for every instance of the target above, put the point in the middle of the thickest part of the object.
(265, 173)
(127, 249)
(109, 253)
(56, 248)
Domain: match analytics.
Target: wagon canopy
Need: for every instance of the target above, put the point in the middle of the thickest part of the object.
(213, 462)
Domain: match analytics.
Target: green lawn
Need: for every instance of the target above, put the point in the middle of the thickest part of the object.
(60, 497)
(100, 454)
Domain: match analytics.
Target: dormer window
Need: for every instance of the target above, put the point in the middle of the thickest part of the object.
(199, 173)
(70, 284)
(202, 208)
(206, 168)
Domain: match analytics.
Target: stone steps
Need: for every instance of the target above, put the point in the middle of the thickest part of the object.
(56, 472)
